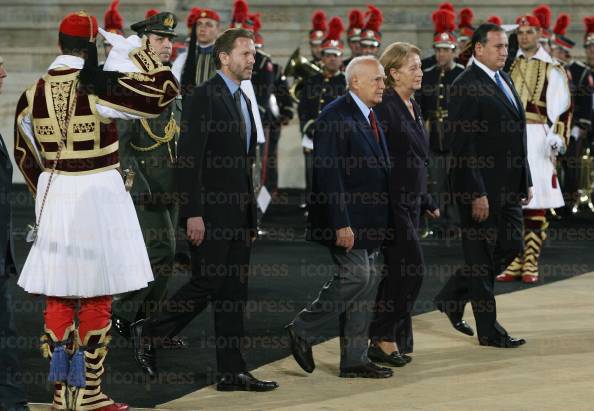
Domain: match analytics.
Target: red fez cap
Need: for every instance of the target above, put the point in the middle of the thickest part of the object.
(79, 24)
(528, 20)
(198, 13)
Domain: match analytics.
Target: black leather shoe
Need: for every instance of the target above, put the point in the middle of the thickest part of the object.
(301, 350)
(121, 326)
(378, 355)
(505, 342)
(461, 326)
(456, 320)
(144, 350)
(369, 370)
(245, 382)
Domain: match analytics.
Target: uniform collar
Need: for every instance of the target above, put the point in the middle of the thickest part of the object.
(541, 54)
(67, 61)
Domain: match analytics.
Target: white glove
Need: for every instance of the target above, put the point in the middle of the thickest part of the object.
(555, 143)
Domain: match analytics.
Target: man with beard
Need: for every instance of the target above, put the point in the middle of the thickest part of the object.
(219, 213)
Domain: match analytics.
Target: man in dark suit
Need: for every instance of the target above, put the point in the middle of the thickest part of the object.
(490, 180)
(12, 396)
(348, 214)
(215, 156)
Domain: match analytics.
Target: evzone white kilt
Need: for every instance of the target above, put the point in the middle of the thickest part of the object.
(545, 196)
(89, 241)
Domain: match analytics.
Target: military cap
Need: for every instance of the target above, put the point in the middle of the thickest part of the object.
(162, 24)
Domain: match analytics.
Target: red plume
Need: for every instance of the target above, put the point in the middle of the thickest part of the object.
(543, 13)
(335, 28)
(318, 21)
(589, 24)
(240, 11)
(495, 20)
(150, 13)
(466, 16)
(356, 19)
(375, 18)
(444, 20)
(561, 24)
(256, 22)
(446, 6)
(112, 19)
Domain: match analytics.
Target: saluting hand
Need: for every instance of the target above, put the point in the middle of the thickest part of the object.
(195, 230)
(480, 209)
(345, 238)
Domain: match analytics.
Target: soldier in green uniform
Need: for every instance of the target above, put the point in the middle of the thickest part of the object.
(148, 149)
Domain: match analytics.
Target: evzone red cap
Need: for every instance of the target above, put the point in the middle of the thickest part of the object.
(80, 24)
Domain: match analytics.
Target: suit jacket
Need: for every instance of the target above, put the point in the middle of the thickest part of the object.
(350, 177)
(408, 147)
(6, 250)
(487, 136)
(214, 169)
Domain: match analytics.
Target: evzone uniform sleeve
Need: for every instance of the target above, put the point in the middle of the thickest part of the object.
(559, 110)
(142, 94)
(26, 152)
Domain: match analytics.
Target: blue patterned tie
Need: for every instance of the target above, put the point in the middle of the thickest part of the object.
(505, 91)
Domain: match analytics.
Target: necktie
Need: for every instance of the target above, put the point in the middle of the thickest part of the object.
(237, 98)
(505, 91)
(373, 123)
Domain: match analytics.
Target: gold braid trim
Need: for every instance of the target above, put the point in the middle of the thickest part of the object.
(171, 129)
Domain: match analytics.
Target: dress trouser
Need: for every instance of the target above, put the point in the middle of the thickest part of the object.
(12, 394)
(571, 166)
(488, 248)
(219, 276)
(350, 296)
(158, 229)
(309, 163)
(440, 189)
(403, 276)
(271, 165)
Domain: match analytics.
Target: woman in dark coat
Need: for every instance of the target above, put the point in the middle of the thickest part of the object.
(400, 116)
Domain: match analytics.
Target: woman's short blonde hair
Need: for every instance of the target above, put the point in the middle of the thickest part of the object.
(395, 56)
